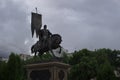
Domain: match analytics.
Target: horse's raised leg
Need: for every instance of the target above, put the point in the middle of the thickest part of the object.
(35, 54)
(60, 49)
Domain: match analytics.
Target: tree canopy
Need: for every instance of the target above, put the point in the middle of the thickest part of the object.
(85, 65)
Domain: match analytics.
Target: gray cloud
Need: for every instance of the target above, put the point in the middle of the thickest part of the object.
(82, 23)
(13, 28)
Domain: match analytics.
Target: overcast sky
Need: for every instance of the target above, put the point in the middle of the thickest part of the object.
(82, 24)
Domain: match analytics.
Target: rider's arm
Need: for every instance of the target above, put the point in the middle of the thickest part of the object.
(49, 33)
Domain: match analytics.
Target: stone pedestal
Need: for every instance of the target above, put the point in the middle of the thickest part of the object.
(47, 71)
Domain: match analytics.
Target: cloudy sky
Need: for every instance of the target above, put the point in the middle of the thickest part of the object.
(82, 24)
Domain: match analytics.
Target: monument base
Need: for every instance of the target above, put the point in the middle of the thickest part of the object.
(47, 71)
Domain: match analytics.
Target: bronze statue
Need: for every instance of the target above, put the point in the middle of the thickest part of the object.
(44, 36)
(47, 41)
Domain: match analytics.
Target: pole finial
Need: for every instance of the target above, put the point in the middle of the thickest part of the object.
(36, 9)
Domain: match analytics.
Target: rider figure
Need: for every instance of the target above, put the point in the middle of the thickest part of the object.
(45, 35)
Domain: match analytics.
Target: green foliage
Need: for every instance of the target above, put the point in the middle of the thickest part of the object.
(14, 68)
(35, 59)
(100, 63)
(11, 67)
(66, 58)
(106, 72)
(85, 64)
(78, 55)
(3, 70)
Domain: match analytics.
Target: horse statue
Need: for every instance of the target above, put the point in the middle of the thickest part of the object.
(53, 43)
(47, 41)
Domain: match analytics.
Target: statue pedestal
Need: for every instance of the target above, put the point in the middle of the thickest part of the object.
(47, 71)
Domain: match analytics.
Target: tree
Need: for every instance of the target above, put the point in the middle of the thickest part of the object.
(84, 65)
(65, 58)
(15, 67)
(105, 72)
(84, 70)
(3, 70)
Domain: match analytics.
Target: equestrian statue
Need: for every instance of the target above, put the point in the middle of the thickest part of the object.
(47, 41)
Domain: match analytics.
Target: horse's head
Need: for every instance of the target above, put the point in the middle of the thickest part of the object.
(56, 39)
